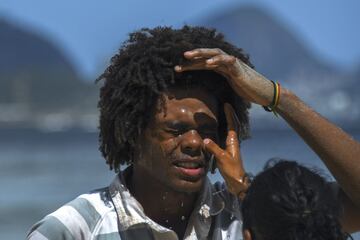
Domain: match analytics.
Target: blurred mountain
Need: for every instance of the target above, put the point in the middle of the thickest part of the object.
(274, 50)
(23, 49)
(357, 72)
(279, 54)
(38, 84)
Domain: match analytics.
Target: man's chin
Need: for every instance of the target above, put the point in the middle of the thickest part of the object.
(186, 186)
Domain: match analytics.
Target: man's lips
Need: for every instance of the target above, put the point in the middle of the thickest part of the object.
(191, 168)
(189, 164)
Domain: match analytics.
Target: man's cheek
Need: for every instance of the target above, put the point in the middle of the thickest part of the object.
(168, 146)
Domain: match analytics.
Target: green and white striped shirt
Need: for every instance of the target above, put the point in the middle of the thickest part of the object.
(113, 213)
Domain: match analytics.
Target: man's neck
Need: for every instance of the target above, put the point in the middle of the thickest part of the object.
(163, 205)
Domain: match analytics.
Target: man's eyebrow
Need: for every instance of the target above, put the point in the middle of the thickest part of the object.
(183, 125)
(175, 124)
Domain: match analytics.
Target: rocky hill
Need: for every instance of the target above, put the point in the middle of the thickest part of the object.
(37, 81)
(39, 85)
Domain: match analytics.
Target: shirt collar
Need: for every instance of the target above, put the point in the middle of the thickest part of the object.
(131, 213)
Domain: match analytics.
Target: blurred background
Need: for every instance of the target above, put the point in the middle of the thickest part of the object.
(52, 51)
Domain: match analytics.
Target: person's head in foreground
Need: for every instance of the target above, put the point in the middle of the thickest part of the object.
(154, 118)
(289, 201)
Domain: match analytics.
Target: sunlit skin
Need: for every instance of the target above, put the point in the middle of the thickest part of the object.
(174, 135)
(185, 130)
(336, 149)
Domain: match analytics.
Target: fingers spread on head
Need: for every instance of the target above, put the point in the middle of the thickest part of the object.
(204, 58)
(195, 64)
(178, 68)
(221, 59)
(203, 52)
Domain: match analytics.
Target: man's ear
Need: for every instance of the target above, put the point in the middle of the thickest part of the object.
(246, 234)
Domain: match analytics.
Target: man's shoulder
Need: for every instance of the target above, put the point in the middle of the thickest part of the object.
(81, 218)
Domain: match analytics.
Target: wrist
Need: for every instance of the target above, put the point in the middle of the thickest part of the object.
(239, 186)
(251, 85)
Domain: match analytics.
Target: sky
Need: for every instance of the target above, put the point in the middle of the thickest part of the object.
(90, 31)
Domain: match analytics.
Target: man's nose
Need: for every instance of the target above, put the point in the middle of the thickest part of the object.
(191, 143)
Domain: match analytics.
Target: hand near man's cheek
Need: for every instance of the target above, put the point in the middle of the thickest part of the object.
(229, 160)
(244, 80)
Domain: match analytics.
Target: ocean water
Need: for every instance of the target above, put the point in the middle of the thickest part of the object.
(39, 172)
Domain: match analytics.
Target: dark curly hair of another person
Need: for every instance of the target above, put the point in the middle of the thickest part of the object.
(288, 201)
(143, 70)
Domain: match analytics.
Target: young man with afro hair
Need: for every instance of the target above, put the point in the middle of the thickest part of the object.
(173, 103)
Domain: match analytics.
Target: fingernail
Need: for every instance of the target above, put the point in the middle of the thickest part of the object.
(206, 141)
(210, 61)
(177, 68)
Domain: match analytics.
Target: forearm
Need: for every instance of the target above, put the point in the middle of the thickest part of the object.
(339, 151)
